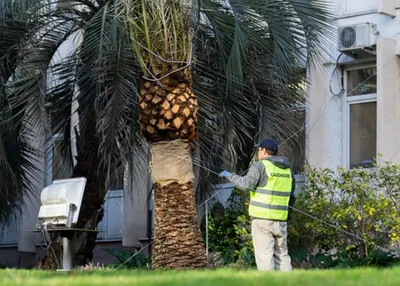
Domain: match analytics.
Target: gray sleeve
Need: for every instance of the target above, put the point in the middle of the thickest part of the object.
(248, 182)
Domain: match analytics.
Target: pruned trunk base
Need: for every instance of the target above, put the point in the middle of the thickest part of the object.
(178, 241)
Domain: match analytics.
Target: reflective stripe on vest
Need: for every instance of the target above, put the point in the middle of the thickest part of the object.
(272, 201)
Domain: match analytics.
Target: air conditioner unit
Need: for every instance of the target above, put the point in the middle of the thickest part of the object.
(358, 36)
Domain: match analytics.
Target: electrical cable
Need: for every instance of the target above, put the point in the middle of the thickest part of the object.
(342, 91)
(135, 254)
(49, 245)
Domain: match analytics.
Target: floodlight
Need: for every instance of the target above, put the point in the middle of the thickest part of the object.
(59, 213)
(61, 202)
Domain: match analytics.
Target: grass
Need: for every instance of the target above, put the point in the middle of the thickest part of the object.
(365, 277)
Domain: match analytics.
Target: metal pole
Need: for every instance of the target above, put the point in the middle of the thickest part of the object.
(67, 263)
(206, 229)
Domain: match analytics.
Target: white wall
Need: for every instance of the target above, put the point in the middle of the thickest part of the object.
(315, 116)
(388, 103)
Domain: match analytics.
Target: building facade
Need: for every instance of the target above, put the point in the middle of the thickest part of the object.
(353, 106)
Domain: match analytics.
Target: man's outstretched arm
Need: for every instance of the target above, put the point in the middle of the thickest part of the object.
(248, 182)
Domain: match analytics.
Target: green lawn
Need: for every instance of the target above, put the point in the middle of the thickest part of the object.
(230, 277)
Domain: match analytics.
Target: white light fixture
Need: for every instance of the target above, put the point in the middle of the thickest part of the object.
(59, 212)
(61, 200)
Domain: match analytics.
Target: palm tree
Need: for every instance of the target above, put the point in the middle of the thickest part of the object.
(199, 80)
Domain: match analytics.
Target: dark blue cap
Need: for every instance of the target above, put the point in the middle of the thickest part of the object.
(268, 144)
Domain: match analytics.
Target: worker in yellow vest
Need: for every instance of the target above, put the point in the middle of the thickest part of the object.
(271, 185)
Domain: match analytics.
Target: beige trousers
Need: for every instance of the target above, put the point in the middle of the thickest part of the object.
(270, 245)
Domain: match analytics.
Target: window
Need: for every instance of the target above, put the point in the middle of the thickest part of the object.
(360, 117)
(362, 81)
(362, 133)
(112, 222)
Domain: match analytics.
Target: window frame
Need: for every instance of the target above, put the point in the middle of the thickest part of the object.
(347, 101)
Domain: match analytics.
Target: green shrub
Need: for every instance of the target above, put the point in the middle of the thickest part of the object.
(352, 201)
(361, 204)
(229, 229)
(245, 254)
(5, 265)
(348, 258)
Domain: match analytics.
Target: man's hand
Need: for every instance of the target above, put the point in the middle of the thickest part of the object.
(224, 174)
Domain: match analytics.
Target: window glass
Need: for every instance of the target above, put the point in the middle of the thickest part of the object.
(362, 134)
(361, 81)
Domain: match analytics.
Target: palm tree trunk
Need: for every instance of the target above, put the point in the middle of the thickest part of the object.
(168, 117)
(90, 215)
(178, 241)
(87, 165)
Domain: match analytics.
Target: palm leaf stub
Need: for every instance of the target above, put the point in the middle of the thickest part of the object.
(168, 112)
(161, 41)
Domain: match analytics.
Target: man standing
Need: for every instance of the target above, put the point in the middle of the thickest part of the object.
(271, 185)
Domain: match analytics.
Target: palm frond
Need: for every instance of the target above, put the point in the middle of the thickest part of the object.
(247, 79)
(93, 90)
(19, 154)
(107, 80)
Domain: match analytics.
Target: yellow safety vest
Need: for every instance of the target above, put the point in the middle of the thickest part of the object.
(272, 201)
